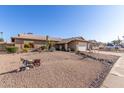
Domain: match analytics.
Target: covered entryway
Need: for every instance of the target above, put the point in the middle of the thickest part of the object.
(62, 47)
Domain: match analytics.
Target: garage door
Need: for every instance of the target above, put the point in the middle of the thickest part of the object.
(81, 48)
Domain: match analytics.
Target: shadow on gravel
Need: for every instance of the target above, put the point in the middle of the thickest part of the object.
(13, 71)
(83, 58)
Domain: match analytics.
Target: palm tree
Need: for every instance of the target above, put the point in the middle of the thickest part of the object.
(1, 33)
(116, 42)
(1, 38)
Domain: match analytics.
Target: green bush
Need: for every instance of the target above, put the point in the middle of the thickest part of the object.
(25, 50)
(12, 49)
(52, 49)
(43, 47)
(26, 45)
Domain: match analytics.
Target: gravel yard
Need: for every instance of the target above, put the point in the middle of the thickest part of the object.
(58, 69)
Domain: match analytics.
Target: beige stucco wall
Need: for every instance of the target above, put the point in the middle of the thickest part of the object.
(82, 43)
(20, 46)
(37, 43)
(72, 45)
(20, 42)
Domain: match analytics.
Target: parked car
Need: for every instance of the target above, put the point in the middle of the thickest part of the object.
(117, 46)
(110, 46)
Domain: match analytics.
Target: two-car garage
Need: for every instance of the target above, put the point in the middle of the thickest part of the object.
(81, 48)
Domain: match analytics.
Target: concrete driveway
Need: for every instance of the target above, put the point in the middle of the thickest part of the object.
(115, 78)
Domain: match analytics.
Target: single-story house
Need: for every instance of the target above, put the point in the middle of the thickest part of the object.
(34, 41)
(96, 45)
(73, 44)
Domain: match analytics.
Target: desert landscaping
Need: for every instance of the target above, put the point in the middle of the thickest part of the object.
(58, 69)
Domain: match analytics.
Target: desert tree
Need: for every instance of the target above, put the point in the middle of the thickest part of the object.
(1, 38)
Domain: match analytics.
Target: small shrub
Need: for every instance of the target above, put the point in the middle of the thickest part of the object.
(69, 50)
(25, 50)
(26, 45)
(52, 49)
(12, 49)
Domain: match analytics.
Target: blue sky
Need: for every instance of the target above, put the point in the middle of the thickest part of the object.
(102, 23)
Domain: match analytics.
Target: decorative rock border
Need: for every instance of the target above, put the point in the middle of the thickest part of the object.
(101, 76)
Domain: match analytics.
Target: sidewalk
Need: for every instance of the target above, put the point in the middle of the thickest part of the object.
(115, 78)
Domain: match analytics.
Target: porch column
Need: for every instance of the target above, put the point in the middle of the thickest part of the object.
(66, 47)
(60, 47)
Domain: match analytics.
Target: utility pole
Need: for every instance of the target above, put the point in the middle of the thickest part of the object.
(123, 41)
(119, 41)
(123, 37)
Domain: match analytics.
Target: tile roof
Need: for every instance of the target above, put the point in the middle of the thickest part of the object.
(36, 37)
(72, 39)
(93, 41)
(6, 43)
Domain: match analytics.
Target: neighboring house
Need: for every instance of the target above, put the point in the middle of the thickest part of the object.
(93, 44)
(96, 45)
(73, 44)
(3, 45)
(33, 40)
(101, 45)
